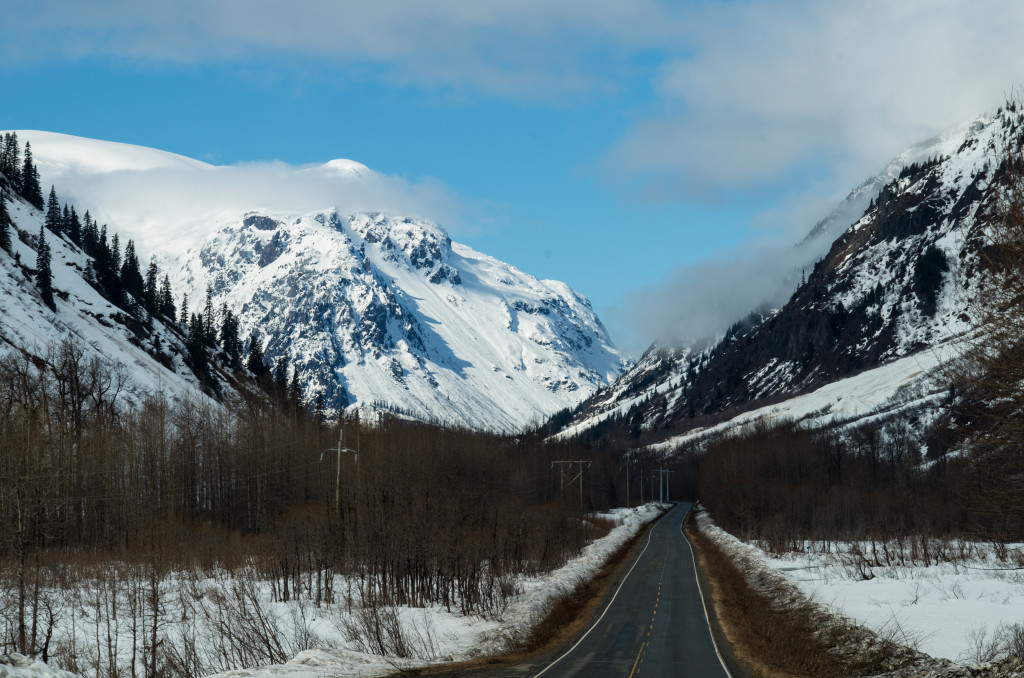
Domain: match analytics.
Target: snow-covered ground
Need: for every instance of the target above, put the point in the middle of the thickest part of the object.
(949, 609)
(194, 624)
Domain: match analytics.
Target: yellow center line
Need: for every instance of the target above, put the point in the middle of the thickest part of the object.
(635, 663)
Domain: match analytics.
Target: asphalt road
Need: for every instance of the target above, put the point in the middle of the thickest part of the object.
(655, 624)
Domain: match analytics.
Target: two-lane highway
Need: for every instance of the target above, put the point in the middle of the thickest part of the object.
(654, 625)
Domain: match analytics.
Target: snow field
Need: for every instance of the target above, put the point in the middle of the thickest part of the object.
(845, 401)
(15, 665)
(949, 609)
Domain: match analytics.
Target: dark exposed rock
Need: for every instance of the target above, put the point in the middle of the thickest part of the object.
(258, 221)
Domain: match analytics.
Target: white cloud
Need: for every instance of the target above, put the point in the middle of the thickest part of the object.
(505, 48)
(772, 91)
(799, 100)
(168, 203)
(696, 302)
(745, 94)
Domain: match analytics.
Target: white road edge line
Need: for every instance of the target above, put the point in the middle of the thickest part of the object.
(594, 625)
(700, 590)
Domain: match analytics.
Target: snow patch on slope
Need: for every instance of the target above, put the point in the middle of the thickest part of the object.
(16, 665)
(84, 317)
(845, 401)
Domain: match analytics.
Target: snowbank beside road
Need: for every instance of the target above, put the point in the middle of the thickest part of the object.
(15, 665)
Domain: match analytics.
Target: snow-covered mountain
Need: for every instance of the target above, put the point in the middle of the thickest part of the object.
(894, 289)
(374, 309)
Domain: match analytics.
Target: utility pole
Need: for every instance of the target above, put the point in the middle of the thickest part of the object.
(663, 485)
(627, 486)
(562, 474)
(337, 485)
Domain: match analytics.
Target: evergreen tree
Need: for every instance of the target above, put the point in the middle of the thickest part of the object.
(209, 324)
(131, 276)
(75, 227)
(44, 276)
(281, 378)
(166, 305)
(295, 390)
(107, 274)
(5, 219)
(115, 249)
(65, 220)
(31, 190)
(195, 348)
(10, 159)
(53, 216)
(5, 164)
(89, 236)
(151, 292)
(184, 309)
(229, 339)
(254, 361)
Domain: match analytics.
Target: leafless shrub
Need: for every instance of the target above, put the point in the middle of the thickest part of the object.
(1006, 640)
(241, 630)
(856, 564)
(376, 629)
(894, 633)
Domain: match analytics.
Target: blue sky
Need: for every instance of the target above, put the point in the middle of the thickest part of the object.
(610, 145)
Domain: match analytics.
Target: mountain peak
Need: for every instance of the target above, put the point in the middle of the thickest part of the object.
(388, 311)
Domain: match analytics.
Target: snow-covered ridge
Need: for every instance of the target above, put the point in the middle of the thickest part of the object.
(374, 308)
(898, 281)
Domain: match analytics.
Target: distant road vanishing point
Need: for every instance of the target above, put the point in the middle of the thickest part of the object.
(654, 626)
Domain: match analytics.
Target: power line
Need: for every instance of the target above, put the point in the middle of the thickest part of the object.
(562, 463)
